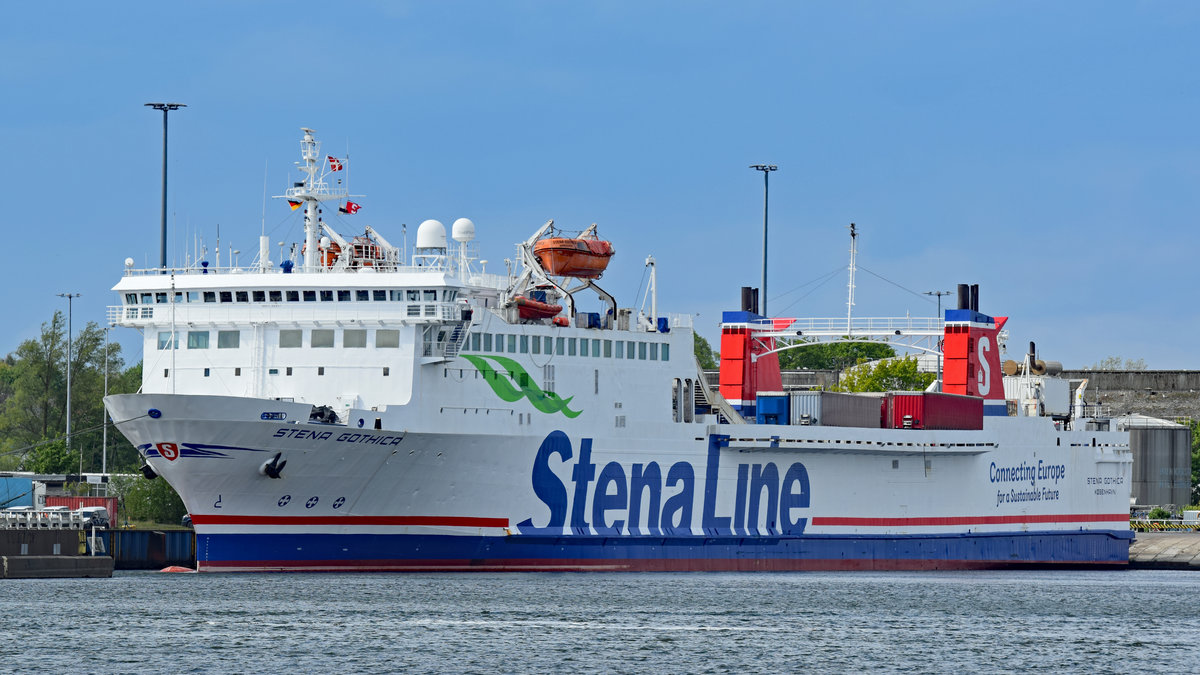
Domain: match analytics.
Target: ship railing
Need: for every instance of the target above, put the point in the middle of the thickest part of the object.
(859, 326)
(274, 268)
(679, 320)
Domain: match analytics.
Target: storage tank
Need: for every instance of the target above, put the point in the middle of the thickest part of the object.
(1162, 460)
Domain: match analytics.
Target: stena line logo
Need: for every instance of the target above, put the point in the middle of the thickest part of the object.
(513, 383)
(643, 500)
(984, 376)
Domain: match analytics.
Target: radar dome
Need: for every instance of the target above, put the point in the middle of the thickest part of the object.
(463, 230)
(431, 234)
(129, 262)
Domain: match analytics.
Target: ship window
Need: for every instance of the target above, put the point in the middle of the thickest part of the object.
(241, 296)
(166, 372)
(641, 351)
(310, 296)
(259, 296)
(275, 296)
(197, 339)
(293, 296)
(608, 349)
(413, 296)
(548, 345)
(343, 296)
(524, 344)
(475, 342)
(560, 346)
(210, 296)
(226, 296)
(147, 298)
(379, 296)
(596, 347)
(362, 296)
(131, 298)
(131, 312)
(165, 342)
(430, 296)
(288, 372)
(620, 349)
(322, 337)
(206, 371)
(583, 347)
(273, 371)
(228, 339)
(414, 310)
(160, 298)
(537, 345)
(320, 370)
(548, 379)
(387, 339)
(147, 312)
(666, 352)
(629, 347)
(512, 344)
(326, 296)
(597, 382)
(193, 296)
(386, 371)
(430, 310)
(237, 372)
(653, 351)
(487, 342)
(290, 339)
(570, 346)
(354, 339)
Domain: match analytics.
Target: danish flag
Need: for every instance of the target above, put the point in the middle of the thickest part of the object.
(335, 164)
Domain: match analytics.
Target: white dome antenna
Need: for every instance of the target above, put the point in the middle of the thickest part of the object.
(463, 230)
(431, 234)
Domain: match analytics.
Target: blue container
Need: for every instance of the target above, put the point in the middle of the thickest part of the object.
(664, 326)
(593, 320)
(16, 491)
(772, 408)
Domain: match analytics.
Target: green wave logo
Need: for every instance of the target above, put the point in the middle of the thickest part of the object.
(516, 383)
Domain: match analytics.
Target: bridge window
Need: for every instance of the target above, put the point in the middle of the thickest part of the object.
(322, 338)
(413, 295)
(362, 296)
(226, 296)
(197, 339)
(165, 340)
(293, 296)
(354, 339)
(275, 296)
(291, 339)
(147, 298)
(326, 296)
(343, 296)
(259, 296)
(210, 296)
(310, 296)
(193, 296)
(379, 296)
(387, 339)
(430, 296)
(160, 298)
(131, 298)
(242, 296)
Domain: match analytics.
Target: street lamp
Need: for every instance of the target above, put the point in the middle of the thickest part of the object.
(939, 295)
(69, 297)
(766, 169)
(165, 108)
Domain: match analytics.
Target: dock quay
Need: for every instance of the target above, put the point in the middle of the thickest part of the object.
(1165, 550)
(49, 553)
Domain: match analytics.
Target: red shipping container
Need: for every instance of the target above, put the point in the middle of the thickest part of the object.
(934, 410)
(76, 503)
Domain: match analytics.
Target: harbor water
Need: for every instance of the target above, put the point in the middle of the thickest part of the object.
(1023, 621)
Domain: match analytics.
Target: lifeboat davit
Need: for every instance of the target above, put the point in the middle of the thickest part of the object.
(528, 308)
(578, 257)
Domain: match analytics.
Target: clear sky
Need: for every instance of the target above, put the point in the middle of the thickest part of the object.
(1046, 151)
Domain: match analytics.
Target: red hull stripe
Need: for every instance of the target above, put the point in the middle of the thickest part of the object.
(433, 521)
(630, 565)
(834, 521)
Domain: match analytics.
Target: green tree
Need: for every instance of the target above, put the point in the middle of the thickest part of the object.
(147, 500)
(1117, 363)
(833, 355)
(51, 457)
(704, 352)
(886, 375)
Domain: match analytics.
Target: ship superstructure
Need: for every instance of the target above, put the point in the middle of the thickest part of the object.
(371, 408)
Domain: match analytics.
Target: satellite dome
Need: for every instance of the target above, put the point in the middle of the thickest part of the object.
(463, 230)
(129, 263)
(431, 234)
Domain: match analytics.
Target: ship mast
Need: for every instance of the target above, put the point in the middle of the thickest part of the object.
(850, 299)
(311, 192)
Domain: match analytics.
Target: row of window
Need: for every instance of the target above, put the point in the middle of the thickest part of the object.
(565, 346)
(357, 295)
(356, 338)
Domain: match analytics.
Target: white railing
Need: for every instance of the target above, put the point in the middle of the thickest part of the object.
(246, 312)
(41, 520)
(863, 326)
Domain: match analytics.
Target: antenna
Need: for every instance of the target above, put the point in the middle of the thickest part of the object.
(853, 257)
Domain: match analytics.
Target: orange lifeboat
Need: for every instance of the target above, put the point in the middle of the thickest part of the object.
(327, 256)
(578, 257)
(528, 308)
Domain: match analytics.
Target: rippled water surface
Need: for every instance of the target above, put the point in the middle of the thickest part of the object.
(1126, 621)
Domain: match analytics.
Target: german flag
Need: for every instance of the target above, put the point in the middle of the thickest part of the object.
(294, 205)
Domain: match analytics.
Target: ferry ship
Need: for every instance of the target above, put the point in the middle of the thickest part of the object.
(360, 407)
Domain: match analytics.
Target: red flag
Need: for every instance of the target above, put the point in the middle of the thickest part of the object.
(335, 164)
(350, 208)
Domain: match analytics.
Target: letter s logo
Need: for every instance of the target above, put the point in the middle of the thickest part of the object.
(983, 376)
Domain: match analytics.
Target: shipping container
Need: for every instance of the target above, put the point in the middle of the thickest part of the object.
(16, 491)
(834, 409)
(76, 503)
(934, 410)
(771, 407)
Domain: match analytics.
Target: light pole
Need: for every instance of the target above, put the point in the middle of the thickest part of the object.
(766, 169)
(165, 108)
(104, 433)
(69, 297)
(939, 295)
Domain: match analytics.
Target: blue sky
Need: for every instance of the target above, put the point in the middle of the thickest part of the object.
(1047, 152)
